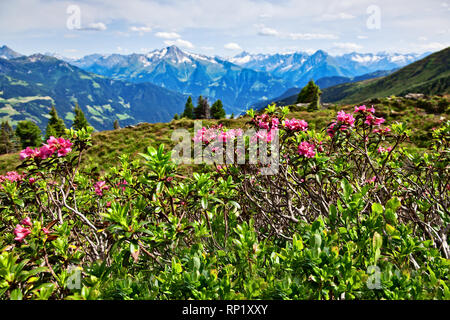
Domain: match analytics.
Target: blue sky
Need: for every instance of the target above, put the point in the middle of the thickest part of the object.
(225, 28)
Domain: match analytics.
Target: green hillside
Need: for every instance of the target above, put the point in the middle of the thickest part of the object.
(420, 116)
(430, 75)
(29, 86)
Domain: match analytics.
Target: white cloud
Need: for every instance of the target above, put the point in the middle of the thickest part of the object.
(336, 16)
(312, 36)
(362, 37)
(123, 50)
(96, 26)
(268, 32)
(179, 43)
(232, 46)
(140, 29)
(347, 46)
(167, 35)
(432, 46)
(265, 15)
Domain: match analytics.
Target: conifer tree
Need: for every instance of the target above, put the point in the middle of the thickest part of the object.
(55, 126)
(188, 109)
(7, 141)
(116, 124)
(28, 133)
(308, 93)
(79, 121)
(202, 111)
(217, 111)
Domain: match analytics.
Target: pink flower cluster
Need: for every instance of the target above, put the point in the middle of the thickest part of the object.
(60, 146)
(295, 125)
(345, 118)
(344, 121)
(225, 136)
(12, 176)
(382, 131)
(307, 149)
(265, 122)
(21, 231)
(382, 150)
(373, 121)
(216, 133)
(363, 108)
(370, 120)
(99, 186)
(122, 185)
(372, 180)
(265, 135)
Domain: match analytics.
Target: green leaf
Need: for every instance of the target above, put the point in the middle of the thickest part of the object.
(377, 240)
(204, 203)
(16, 294)
(377, 209)
(347, 188)
(394, 204)
(196, 261)
(390, 229)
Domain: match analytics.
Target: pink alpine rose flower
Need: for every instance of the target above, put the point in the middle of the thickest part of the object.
(345, 118)
(372, 180)
(26, 222)
(21, 232)
(27, 153)
(60, 145)
(373, 121)
(295, 125)
(382, 131)
(99, 186)
(306, 149)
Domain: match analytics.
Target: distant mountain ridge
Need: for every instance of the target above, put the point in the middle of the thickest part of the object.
(188, 73)
(300, 67)
(29, 86)
(430, 75)
(290, 95)
(238, 81)
(8, 53)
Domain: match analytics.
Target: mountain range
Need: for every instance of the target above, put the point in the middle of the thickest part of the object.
(430, 75)
(299, 67)
(29, 86)
(154, 86)
(241, 80)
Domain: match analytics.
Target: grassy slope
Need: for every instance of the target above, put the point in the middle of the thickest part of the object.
(108, 145)
(430, 75)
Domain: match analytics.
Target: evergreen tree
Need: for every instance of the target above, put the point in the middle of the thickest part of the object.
(202, 111)
(315, 103)
(176, 117)
(28, 133)
(232, 116)
(7, 141)
(55, 126)
(80, 120)
(116, 124)
(309, 93)
(217, 111)
(188, 109)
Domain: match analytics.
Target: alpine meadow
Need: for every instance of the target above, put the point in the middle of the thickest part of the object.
(224, 150)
